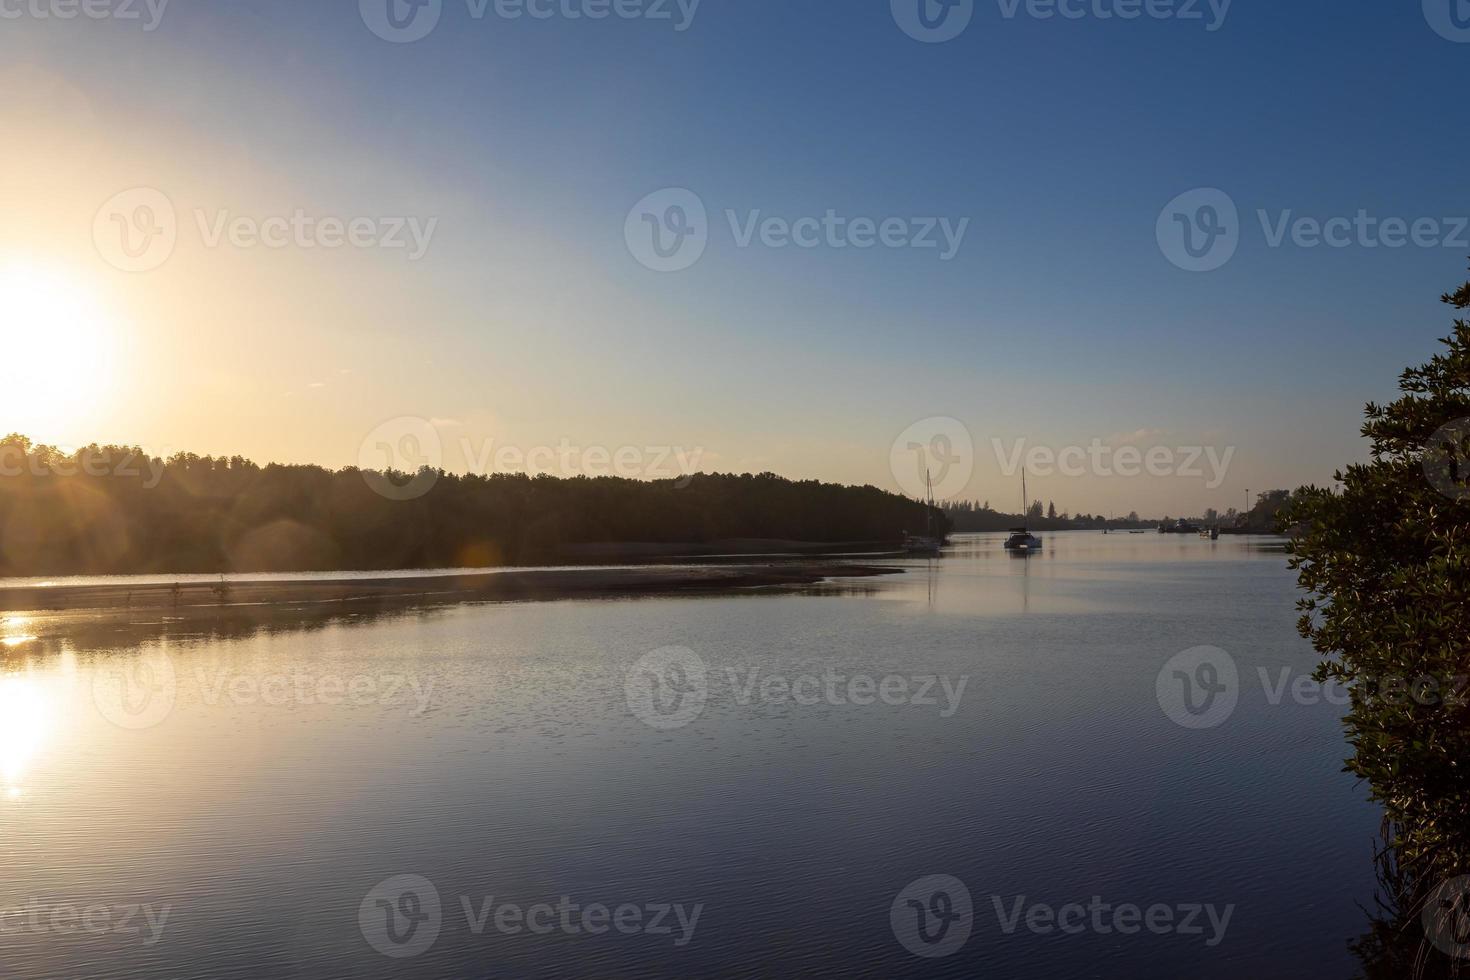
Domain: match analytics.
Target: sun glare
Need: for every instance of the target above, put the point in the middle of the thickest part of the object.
(58, 343)
(25, 719)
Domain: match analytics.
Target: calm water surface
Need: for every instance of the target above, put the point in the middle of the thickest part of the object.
(248, 784)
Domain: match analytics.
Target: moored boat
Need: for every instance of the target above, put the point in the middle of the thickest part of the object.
(922, 544)
(927, 543)
(1022, 541)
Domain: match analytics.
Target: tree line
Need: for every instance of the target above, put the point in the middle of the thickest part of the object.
(973, 515)
(116, 510)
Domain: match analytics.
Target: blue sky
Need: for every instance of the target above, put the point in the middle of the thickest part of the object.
(1058, 321)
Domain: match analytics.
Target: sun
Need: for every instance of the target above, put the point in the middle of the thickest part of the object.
(57, 347)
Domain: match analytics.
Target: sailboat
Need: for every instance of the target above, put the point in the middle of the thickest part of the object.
(1022, 541)
(927, 543)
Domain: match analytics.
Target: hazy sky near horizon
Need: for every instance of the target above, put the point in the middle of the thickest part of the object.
(519, 149)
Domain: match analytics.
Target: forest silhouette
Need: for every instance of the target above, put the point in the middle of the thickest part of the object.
(118, 510)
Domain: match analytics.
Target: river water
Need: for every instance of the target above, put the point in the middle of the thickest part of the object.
(1099, 761)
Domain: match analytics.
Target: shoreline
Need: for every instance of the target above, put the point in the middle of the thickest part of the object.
(491, 585)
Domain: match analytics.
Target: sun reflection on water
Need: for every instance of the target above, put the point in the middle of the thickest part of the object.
(15, 635)
(25, 722)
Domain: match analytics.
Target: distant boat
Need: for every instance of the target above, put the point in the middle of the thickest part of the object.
(1180, 526)
(922, 544)
(927, 543)
(1022, 541)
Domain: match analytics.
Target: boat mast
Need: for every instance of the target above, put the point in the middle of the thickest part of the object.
(1025, 504)
(929, 510)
